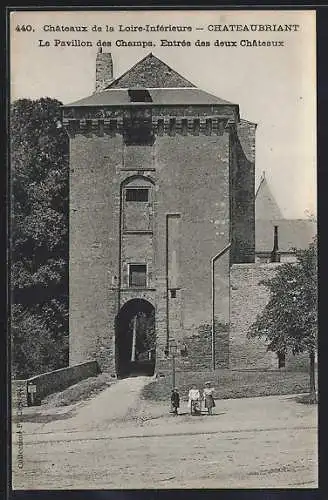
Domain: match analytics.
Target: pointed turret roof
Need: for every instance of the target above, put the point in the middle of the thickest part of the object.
(266, 207)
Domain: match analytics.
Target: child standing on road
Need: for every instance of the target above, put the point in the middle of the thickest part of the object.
(208, 397)
(175, 400)
(194, 400)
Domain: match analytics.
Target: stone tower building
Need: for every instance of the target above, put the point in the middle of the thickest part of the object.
(161, 181)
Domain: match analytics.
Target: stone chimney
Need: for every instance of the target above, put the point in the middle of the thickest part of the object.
(104, 70)
(275, 255)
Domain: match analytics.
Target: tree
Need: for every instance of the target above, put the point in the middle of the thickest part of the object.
(35, 347)
(290, 320)
(39, 235)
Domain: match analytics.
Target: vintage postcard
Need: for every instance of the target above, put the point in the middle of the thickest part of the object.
(163, 249)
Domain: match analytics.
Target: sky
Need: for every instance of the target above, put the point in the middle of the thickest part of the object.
(275, 87)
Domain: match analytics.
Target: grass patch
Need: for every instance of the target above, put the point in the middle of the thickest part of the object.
(231, 384)
(307, 399)
(83, 390)
(39, 418)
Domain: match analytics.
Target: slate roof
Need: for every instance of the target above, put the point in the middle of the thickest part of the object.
(292, 233)
(167, 96)
(150, 72)
(164, 85)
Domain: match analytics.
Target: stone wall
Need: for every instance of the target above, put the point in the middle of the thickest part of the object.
(94, 246)
(58, 380)
(198, 353)
(193, 181)
(248, 298)
(242, 186)
(183, 170)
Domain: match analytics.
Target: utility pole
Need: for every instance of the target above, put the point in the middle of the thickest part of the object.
(134, 337)
(173, 352)
(173, 370)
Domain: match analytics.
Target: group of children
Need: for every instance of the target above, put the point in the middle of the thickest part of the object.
(195, 399)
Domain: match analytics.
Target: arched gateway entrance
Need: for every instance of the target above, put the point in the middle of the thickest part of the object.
(135, 339)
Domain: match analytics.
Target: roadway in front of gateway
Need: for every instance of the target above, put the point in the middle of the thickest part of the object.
(119, 441)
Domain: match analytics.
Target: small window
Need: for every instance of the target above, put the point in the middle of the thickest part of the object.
(173, 294)
(136, 195)
(138, 275)
(139, 95)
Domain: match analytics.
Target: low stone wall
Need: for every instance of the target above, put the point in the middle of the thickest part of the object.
(50, 382)
(199, 349)
(198, 355)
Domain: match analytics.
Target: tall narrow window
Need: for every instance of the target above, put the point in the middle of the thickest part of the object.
(137, 204)
(137, 275)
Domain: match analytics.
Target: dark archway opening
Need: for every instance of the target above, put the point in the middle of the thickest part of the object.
(135, 339)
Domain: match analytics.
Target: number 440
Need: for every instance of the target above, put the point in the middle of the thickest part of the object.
(24, 27)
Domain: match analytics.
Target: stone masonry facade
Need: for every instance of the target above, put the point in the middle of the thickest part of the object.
(99, 167)
(197, 166)
(248, 298)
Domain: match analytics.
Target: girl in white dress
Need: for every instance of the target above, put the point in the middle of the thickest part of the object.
(194, 400)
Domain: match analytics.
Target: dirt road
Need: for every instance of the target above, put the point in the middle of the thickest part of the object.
(117, 441)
